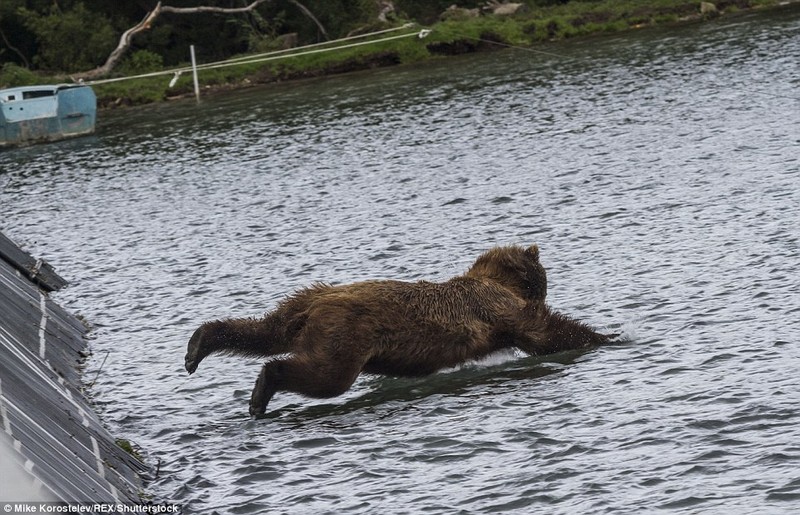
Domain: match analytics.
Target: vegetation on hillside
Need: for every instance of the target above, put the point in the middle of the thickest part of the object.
(38, 38)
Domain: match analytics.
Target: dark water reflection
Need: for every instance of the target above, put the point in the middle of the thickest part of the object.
(658, 171)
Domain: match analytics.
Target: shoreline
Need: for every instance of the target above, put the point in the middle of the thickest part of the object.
(533, 30)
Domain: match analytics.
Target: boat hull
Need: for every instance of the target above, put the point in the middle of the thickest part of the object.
(36, 114)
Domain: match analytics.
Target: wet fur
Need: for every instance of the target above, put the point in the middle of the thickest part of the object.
(325, 336)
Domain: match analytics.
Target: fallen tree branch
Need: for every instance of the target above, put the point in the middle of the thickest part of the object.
(122, 47)
(127, 36)
(209, 9)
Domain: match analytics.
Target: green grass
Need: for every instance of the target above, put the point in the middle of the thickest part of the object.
(139, 91)
(128, 447)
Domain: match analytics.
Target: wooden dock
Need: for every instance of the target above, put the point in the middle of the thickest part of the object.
(56, 447)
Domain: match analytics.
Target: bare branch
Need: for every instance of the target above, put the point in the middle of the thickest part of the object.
(14, 49)
(122, 47)
(313, 18)
(147, 22)
(211, 9)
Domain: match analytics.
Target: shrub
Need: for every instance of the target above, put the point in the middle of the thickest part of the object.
(12, 75)
(142, 61)
(70, 41)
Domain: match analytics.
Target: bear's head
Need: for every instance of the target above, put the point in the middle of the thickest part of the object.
(514, 267)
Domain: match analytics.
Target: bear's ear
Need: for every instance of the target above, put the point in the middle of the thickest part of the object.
(533, 252)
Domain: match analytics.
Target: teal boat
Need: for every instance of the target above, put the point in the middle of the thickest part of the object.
(34, 114)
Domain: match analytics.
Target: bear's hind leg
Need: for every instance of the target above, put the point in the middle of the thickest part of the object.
(319, 378)
(265, 388)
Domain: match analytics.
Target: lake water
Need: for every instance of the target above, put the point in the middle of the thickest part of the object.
(658, 171)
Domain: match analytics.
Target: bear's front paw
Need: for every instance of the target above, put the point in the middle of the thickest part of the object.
(190, 363)
(193, 350)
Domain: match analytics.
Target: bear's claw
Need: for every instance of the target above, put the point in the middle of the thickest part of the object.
(191, 365)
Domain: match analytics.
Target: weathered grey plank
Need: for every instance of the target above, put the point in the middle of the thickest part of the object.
(58, 441)
(38, 271)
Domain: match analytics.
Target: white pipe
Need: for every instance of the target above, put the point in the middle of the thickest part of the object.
(194, 74)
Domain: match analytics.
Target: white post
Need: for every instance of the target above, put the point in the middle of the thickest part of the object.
(194, 74)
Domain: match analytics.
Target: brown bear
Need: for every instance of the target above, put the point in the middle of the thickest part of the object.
(325, 336)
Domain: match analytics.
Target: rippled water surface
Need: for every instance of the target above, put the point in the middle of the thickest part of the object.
(658, 171)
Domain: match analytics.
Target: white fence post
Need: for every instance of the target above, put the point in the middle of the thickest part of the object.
(194, 74)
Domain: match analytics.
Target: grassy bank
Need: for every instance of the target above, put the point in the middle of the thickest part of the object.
(461, 32)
